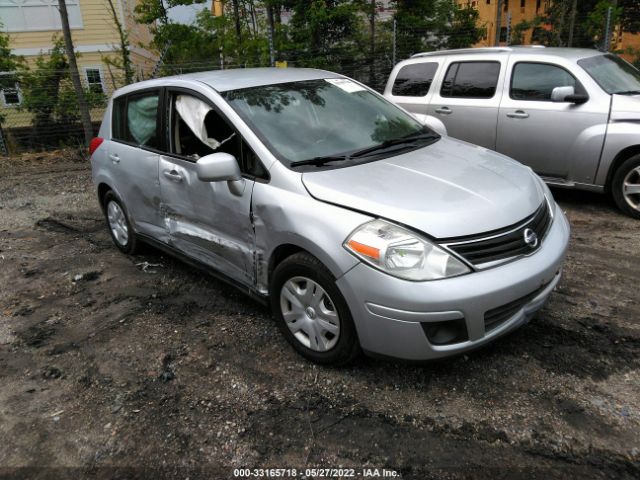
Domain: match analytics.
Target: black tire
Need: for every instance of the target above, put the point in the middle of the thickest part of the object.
(131, 246)
(617, 186)
(303, 264)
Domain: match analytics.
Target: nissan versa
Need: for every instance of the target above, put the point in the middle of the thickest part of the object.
(363, 228)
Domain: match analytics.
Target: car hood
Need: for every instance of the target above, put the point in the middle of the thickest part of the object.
(625, 108)
(447, 189)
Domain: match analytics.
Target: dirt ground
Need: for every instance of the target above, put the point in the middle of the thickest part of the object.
(131, 367)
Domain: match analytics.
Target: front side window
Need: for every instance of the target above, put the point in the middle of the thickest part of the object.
(414, 80)
(613, 74)
(536, 81)
(315, 119)
(471, 80)
(135, 119)
(198, 130)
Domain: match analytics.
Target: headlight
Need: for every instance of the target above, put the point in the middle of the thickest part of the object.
(401, 253)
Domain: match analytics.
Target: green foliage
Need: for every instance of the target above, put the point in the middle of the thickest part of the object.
(9, 64)
(425, 25)
(48, 93)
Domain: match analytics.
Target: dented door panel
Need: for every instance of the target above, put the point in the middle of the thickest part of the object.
(208, 221)
(285, 214)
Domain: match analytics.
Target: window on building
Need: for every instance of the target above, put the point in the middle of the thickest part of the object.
(93, 76)
(37, 15)
(414, 80)
(506, 5)
(471, 80)
(538, 2)
(536, 81)
(11, 96)
(522, 2)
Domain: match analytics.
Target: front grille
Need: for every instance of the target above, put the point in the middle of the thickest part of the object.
(504, 243)
(497, 316)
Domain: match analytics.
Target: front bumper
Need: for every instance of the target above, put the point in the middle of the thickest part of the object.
(392, 316)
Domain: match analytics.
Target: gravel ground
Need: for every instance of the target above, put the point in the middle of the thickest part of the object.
(125, 367)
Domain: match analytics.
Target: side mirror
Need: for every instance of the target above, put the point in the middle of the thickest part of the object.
(433, 123)
(567, 95)
(218, 167)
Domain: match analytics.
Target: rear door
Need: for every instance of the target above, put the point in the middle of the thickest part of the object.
(468, 97)
(134, 152)
(545, 135)
(208, 221)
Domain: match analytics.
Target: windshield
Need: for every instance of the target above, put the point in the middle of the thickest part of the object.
(301, 121)
(612, 73)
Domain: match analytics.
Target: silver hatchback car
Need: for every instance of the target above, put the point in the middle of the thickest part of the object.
(364, 229)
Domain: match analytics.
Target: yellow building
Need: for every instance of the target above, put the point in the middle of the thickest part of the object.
(513, 12)
(31, 25)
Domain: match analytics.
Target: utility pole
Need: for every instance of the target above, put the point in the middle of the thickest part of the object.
(508, 39)
(607, 30)
(393, 53)
(75, 75)
(572, 23)
(498, 22)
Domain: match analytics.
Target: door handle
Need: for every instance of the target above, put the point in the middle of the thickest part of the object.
(444, 110)
(518, 114)
(114, 157)
(173, 175)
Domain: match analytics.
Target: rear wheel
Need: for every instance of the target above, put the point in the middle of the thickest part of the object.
(311, 312)
(625, 186)
(119, 226)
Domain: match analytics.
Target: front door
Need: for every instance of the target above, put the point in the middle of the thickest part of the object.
(543, 134)
(208, 221)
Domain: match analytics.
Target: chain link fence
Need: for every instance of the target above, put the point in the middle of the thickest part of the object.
(39, 110)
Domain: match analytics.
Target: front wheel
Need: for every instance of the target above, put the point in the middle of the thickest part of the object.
(311, 312)
(625, 187)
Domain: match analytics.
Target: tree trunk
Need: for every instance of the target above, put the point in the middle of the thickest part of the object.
(236, 19)
(572, 22)
(75, 75)
(498, 22)
(124, 45)
(372, 42)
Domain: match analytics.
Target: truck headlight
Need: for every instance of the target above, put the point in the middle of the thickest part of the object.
(402, 253)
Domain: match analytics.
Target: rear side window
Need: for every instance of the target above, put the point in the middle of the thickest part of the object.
(135, 119)
(536, 81)
(414, 80)
(471, 80)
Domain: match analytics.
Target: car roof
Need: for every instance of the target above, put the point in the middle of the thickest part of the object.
(557, 52)
(237, 78)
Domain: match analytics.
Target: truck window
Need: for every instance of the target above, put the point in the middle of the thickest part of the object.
(471, 80)
(414, 80)
(536, 81)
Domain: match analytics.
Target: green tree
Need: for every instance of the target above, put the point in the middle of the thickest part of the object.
(9, 64)
(48, 93)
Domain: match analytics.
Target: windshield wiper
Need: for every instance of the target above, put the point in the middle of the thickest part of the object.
(408, 140)
(318, 161)
(628, 92)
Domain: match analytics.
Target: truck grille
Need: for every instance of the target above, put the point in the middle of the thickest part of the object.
(504, 243)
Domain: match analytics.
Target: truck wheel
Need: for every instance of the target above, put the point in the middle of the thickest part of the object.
(311, 312)
(625, 187)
